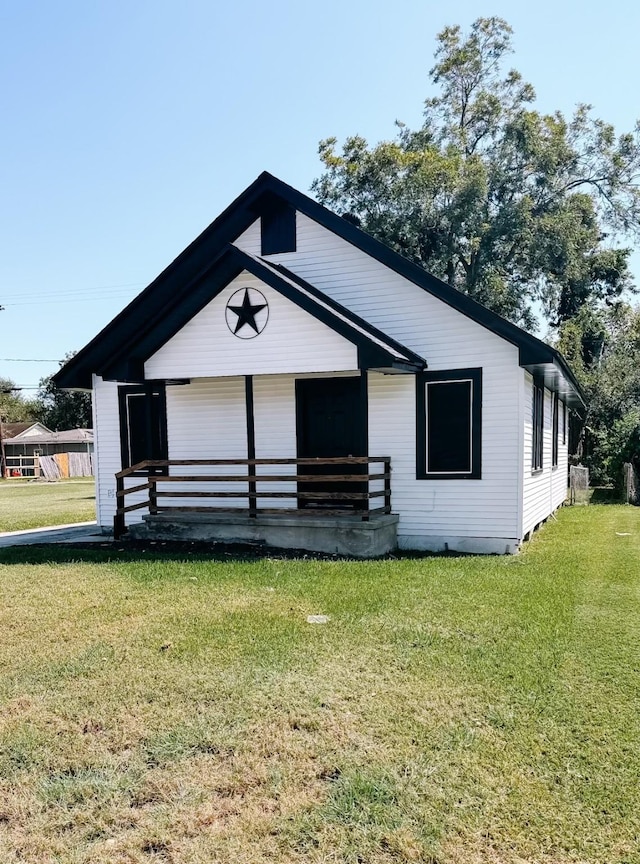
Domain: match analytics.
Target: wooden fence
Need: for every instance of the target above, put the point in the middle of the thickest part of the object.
(56, 467)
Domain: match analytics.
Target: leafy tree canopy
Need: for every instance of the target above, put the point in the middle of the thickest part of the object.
(62, 409)
(507, 204)
(603, 348)
(13, 408)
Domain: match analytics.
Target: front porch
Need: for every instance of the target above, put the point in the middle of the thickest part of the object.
(339, 505)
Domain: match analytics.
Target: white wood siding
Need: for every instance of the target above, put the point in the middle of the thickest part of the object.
(292, 341)
(207, 420)
(452, 512)
(433, 512)
(544, 491)
(106, 430)
(275, 430)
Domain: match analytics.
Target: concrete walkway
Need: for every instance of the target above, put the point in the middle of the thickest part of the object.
(82, 532)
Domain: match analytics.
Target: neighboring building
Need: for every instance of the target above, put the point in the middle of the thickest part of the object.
(22, 430)
(36, 440)
(284, 332)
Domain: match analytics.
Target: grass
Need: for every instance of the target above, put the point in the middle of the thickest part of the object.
(25, 504)
(163, 708)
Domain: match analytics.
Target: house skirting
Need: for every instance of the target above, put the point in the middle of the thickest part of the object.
(464, 545)
(341, 535)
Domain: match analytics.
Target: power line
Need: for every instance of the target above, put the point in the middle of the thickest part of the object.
(44, 292)
(79, 299)
(24, 360)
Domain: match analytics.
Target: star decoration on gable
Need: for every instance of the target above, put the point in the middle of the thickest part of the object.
(247, 313)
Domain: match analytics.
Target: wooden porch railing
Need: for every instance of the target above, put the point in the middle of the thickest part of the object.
(356, 475)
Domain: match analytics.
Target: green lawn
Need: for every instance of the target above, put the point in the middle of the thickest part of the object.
(25, 504)
(156, 708)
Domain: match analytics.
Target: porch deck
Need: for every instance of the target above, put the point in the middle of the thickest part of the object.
(341, 505)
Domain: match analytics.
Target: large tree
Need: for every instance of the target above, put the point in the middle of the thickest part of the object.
(603, 347)
(508, 204)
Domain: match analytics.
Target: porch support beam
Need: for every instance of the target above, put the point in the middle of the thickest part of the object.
(251, 442)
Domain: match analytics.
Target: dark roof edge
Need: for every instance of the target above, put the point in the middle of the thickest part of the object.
(225, 267)
(342, 310)
(233, 220)
(425, 280)
(77, 372)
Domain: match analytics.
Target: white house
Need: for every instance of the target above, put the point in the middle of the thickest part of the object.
(284, 337)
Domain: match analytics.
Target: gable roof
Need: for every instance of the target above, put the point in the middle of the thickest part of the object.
(375, 349)
(183, 275)
(23, 430)
(64, 436)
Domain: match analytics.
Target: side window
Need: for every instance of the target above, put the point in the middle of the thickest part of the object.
(449, 425)
(554, 432)
(143, 424)
(537, 426)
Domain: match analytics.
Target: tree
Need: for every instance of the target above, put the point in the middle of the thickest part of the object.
(63, 409)
(603, 348)
(13, 408)
(505, 203)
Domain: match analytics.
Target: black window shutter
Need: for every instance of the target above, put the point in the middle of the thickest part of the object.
(449, 427)
(537, 448)
(554, 432)
(278, 229)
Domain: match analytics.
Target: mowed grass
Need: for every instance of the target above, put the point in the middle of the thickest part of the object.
(452, 709)
(25, 504)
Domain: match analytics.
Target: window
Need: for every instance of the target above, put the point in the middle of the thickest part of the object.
(449, 425)
(143, 424)
(554, 432)
(564, 422)
(538, 426)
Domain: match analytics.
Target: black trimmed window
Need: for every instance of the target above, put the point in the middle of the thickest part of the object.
(537, 420)
(564, 422)
(449, 425)
(554, 432)
(143, 424)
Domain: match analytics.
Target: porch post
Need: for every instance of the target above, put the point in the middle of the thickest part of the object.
(251, 443)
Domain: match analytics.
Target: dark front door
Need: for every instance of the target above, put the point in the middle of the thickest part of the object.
(332, 422)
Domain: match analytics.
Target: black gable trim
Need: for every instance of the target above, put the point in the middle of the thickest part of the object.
(392, 343)
(169, 319)
(125, 367)
(237, 217)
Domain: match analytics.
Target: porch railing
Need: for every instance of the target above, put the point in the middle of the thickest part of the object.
(343, 486)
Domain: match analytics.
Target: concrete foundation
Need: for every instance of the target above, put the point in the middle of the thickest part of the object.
(343, 535)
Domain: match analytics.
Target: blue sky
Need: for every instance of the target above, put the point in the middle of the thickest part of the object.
(128, 126)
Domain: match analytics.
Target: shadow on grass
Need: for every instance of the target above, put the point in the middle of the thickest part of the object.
(110, 552)
(605, 495)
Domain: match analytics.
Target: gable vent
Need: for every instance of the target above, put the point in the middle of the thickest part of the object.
(278, 229)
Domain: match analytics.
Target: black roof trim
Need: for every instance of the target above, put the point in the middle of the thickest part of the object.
(123, 366)
(235, 219)
(406, 353)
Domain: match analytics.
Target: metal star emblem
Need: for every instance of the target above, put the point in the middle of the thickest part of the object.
(247, 313)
